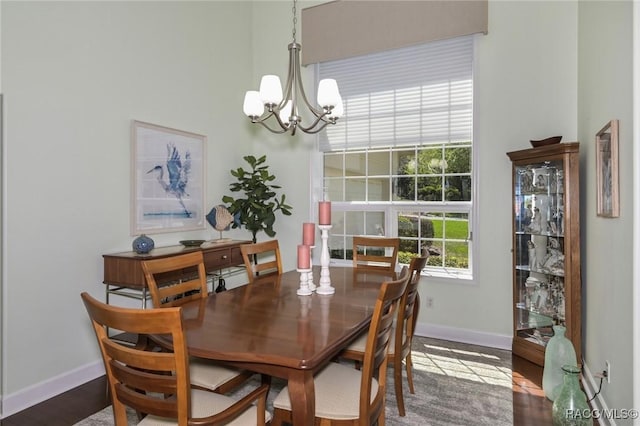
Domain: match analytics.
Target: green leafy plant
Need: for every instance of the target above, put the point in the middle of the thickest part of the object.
(256, 211)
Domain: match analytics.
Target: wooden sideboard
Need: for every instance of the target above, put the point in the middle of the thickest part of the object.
(123, 271)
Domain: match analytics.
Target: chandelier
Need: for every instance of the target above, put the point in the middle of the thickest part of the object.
(281, 114)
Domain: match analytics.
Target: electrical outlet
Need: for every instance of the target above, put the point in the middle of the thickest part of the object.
(429, 302)
(607, 370)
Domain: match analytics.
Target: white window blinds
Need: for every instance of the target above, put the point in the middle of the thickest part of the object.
(411, 96)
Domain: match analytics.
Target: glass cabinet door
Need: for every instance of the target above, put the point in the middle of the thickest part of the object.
(539, 250)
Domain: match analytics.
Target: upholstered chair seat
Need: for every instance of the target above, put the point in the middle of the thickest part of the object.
(205, 404)
(337, 389)
(209, 375)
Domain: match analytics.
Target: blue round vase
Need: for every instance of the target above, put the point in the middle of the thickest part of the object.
(143, 244)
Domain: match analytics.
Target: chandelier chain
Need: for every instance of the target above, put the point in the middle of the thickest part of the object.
(295, 20)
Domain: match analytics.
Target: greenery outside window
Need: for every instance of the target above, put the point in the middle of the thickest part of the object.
(420, 200)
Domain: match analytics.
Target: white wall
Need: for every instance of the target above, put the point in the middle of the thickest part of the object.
(605, 81)
(74, 75)
(525, 83)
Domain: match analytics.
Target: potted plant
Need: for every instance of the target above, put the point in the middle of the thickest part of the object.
(256, 211)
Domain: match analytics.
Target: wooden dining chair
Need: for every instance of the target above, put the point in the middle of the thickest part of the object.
(261, 259)
(156, 384)
(379, 253)
(175, 280)
(344, 395)
(188, 281)
(402, 334)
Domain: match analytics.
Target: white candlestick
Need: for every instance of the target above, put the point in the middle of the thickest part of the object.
(325, 278)
(304, 285)
(310, 283)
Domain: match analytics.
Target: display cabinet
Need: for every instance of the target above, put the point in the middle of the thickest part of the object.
(546, 248)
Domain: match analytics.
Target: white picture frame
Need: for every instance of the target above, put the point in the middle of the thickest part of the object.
(168, 179)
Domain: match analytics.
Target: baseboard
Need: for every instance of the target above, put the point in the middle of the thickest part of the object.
(472, 337)
(591, 385)
(35, 394)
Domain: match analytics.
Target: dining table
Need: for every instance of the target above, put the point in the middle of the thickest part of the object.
(267, 328)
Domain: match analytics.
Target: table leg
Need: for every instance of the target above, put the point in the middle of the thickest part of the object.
(303, 398)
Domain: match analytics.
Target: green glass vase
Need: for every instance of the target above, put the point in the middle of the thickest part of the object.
(559, 352)
(571, 408)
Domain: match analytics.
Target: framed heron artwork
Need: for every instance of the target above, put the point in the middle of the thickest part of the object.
(168, 173)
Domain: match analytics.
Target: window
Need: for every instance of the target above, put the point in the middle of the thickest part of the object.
(399, 162)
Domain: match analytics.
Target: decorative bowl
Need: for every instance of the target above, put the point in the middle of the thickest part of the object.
(548, 141)
(192, 243)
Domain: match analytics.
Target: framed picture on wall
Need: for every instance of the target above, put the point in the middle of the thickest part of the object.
(168, 178)
(608, 197)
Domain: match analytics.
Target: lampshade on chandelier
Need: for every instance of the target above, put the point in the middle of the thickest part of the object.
(261, 106)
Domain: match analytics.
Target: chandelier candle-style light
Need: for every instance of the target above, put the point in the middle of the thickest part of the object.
(269, 102)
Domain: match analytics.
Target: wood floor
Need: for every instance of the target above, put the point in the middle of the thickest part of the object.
(530, 407)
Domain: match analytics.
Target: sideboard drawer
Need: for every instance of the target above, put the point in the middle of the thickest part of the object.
(236, 256)
(216, 259)
(222, 257)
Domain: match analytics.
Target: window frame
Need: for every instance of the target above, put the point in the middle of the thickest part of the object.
(392, 209)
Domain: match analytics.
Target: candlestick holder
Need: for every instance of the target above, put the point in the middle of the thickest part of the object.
(325, 278)
(304, 284)
(310, 283)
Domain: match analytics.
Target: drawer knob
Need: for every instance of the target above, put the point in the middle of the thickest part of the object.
(224, 257)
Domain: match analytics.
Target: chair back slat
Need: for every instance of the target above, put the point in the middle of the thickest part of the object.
(261, 259)
(141, 379)
(376, 253)
(145, 403)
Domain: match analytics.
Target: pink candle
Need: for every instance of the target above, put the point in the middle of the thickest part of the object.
(304, 257)
(309, 234)
(324, 212)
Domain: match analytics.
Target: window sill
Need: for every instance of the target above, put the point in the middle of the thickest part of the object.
(442, 276)
(466, 277)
